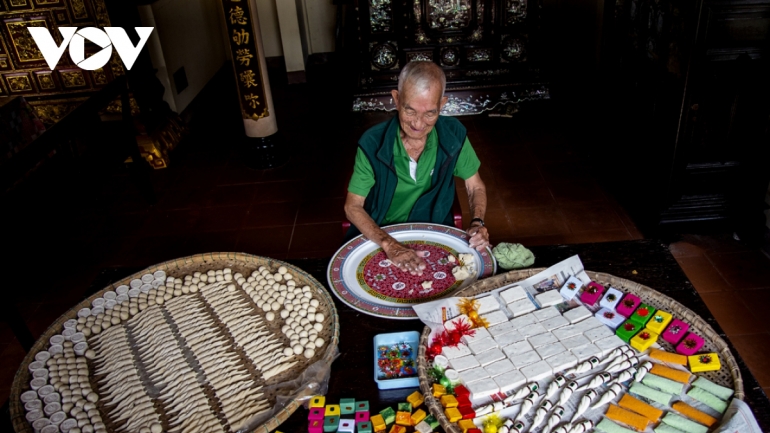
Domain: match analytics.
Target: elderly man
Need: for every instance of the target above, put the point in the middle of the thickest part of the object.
(405, 167)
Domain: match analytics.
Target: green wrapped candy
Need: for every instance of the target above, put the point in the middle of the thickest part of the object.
(663, 384)
(608, 426)
(389, 415)
(652, 394)
(665, 428)
(708, 399)
(405, 407)
(513, 256)
(718, 390)
(684, 424)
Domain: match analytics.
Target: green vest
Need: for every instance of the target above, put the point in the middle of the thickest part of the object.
(435, 206)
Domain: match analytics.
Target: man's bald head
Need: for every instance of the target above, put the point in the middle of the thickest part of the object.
(421, 76)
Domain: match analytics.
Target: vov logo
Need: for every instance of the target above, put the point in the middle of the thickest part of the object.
(75, 39)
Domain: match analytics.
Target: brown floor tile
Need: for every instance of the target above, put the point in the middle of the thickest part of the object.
(732, 314)
(279, 192)
(538, 222)
(171, 222)
(222, 218)
(702, 274)
(743, 270)
(316, 237)
(578, 191)
(124, 224)
(183, 198)
(592, 218)
(321, 211)
(564, 171)
(525, 196)
(230, 195)
(755, 300)
(755, 352)
(272, 214)
(574, 238)
(515, 177)
(156, 249)
(4, 395)
(685, 249)
(265, 240)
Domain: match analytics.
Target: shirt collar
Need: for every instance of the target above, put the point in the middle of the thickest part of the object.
(430, 143)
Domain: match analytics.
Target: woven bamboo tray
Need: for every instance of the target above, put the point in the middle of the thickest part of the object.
(729, 375)
(238, 262)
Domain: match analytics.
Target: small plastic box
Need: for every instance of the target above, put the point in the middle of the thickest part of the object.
(592, 293)
(675, 331)
(628, 304)
(411, 338)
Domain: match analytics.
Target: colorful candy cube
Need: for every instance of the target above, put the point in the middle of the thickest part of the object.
(463, 400)
(642, 314)
(465, 425)
(347, 406)
(405, 407)
(316, 413)
(331, 423)
(467, 411)
(704, 362)
(423, 427)
(364, 427)
(438, 390)
(404, 418)
(689, 345)
(362, 416)
(397, 429)
(362, 406)
(611, 298)
(571, 288)
(449, 401)
(474, 430)
(675, 332)
(643, 340)
(461, 390)
(660, 319)
(418, 416)
(416, 399)
(315, 426)
(628, 305)
(432, 421)
(627, 330)
(592, 293)
(332, 410)
(318, 401)
(610, 318)
(378, 423)
(452, 414)
(389, 415)
(346, 426)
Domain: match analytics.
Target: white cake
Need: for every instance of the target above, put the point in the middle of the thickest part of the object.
(577, 314)
(478, 335)
(554, 323)
(483, 388)
(587, 351)
(537, 371)
(495, 317)
(521, 307)
(575, 342)
(513, 294)
(463, 363)
(501, 328)
(542, 339)
(611, 298)
(566, 332)
(562, 361)
(549, 298)
(509, 338)
(608, 344)
(510, 381)
(598, 333)
(589, 323)
(550, 350)
(525, 359)
(473, 374)
(517, 348)
(482, 345)
(571, 288)
(533, 329)
(452, 323)
(499, 367)
(456, 351)
(546, 313)
(487, 304)
(490, 356)
(522, 321)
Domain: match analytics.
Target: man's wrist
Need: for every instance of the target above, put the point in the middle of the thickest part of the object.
(477, 222)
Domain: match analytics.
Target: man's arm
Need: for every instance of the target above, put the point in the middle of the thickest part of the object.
(477, 198)
(404, 258)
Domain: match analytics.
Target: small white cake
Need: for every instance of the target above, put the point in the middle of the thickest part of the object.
(490, 356)
(566, 332)
(487, 304)
(495, 317)
(521, 307)
(550, 350)
(501, 328)
(473, 374)
(525, 359)
(509, 338)
(499, 367)
(598, 333)
(589, 323)
(482, 345)
(478, 334)
(520, 322)
(610, 318)
(463, 363)
(544, 314)
(452, 323)
(562, 361)
(587, 351)
(533, 329)
(608, 344)
(555, 323)
(542, 339)
(537, 371)
(577, 314)
(571, 288)
(456, 351)
(575, 342)
(611, 298)
(513, 294)
(517, 348)
(483, 388)
(510, 381)
(549, 298)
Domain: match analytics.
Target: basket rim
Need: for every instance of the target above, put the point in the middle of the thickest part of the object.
(16, 409)
(492, 283)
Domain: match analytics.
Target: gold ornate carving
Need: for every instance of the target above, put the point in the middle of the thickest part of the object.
(73, 78)
(22, 41)
(18, 3)
(46, 81)
(116, 65)
(100, 77)
(79, 9)
(101, 13)
(18, 83)
(3, 63)
(51, 112)
(47, 2)
(116, 107)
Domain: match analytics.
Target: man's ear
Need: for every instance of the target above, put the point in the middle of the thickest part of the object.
(394, 94)
(444, 100)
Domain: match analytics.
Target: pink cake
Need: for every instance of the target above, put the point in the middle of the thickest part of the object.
(628, 304)
(592, 293)
(675, 331)
(690, 345)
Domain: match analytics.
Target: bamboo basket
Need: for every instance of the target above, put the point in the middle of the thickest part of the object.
(729, 375)
(238, 262)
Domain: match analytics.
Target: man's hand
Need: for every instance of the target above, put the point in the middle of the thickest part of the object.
(479, 237)
(405, 258)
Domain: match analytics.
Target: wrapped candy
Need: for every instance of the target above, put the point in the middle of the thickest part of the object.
(585, 402)
(583, 427)
(642, 370)
(540, 414)
(492, 424)
(566, 393)
(592, 363)
(609, 395)
(527, 405)
(621, 366)
(521, 393)
(558, 382)
(624, 375)
(599, 379)
(492, 407)
(554, 419)
(470, 307)
(511, 426)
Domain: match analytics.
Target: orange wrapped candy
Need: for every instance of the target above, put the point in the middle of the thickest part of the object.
(694, 414)
(634, 404)
(635, 421)
(671, 358)
(671, 373)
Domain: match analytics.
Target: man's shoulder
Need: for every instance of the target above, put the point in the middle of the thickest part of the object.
(451, 124)
(374, 135)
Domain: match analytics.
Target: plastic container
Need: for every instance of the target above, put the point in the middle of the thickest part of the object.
(411, 338)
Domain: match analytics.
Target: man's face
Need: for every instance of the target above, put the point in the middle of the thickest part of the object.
(418, 109)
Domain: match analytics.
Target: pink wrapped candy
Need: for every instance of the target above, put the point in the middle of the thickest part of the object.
(689, 345)
(628, 305)
(592, 293)
(675, 331)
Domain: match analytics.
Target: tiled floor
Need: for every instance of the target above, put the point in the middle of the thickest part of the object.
(81, 218)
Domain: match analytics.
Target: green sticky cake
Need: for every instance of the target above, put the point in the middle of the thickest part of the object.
(663, 384)
(608, 426)
(651, 394)
(708, 399)
(718, 390)
(683, 423)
